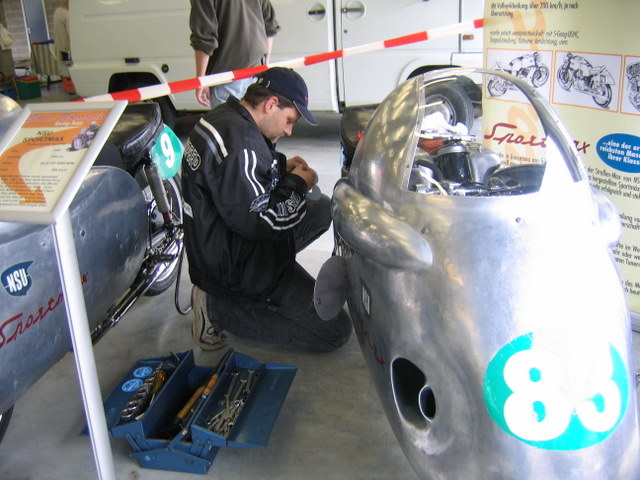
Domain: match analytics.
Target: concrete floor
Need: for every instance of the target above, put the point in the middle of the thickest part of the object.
(331, 425)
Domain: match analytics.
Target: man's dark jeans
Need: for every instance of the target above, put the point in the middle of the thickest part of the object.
(293, 321)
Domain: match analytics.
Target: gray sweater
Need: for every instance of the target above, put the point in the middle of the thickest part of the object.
(233, 32)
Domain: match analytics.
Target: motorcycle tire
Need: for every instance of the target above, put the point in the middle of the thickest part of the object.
(457, 106)
(496, 87)
(604, 99)
(78, 143)
(5, 418)
(170, 273)
(634, 98)
(565, 78)
(540, 76)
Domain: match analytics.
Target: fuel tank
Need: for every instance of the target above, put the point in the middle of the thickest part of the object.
(110, 226)
(479, 276)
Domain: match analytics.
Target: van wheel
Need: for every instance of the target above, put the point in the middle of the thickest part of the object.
(454, 103)
(5, 418)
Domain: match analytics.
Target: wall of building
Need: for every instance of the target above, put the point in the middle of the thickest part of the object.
(14, 21)
(12, 17)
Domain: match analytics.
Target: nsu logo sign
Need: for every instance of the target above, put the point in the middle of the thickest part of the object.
(16, 279)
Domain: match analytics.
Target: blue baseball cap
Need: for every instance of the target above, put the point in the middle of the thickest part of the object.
(288, 83)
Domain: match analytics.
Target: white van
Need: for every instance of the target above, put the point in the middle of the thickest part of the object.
(127, 44)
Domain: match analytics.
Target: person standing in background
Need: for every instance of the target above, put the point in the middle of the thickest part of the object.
(230, 35)
(61, 31)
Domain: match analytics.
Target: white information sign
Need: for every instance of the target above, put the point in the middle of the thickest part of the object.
(46, 154)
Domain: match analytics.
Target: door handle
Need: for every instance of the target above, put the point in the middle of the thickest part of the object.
(316, 12)
(354, 10)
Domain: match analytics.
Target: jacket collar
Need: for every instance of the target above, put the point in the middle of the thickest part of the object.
(235, 104)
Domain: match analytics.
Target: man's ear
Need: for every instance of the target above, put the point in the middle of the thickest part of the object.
(270, 104)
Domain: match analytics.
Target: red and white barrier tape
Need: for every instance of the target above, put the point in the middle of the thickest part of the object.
(155, 91)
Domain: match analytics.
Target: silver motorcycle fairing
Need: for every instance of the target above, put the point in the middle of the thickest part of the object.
(108, 214)
(488, 273)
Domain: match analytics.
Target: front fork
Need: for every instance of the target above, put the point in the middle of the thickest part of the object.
(158, 191)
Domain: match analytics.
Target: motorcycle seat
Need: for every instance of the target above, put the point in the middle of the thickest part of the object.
(136, 131)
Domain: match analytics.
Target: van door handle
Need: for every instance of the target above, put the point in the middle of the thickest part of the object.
(353, 10)
(316, 12)
(319, 10)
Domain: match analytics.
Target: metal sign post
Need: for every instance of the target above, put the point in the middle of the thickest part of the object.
(82, 347)
(46, 155)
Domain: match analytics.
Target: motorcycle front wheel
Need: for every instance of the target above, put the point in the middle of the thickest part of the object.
(635, 100)
(604, 96)
(565, 78)
(497, 87)
(169, 270)
(540, 76)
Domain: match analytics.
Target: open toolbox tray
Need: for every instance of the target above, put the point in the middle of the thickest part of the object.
(159, 442)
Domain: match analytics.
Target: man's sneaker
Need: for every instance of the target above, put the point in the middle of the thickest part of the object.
(205, 334)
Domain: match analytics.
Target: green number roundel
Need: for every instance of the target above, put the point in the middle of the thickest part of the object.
(167, 153)
(531, 392)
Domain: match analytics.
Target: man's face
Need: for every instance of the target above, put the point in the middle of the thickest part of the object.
(280, 123)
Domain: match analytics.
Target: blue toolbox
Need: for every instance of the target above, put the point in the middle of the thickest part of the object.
(176, 415)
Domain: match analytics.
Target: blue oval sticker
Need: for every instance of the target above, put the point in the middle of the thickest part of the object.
(620, 151)
(17, 280)
(131, 385)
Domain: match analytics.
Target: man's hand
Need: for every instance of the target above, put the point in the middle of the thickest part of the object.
(203, 95)
(305, 172)
(294, 162)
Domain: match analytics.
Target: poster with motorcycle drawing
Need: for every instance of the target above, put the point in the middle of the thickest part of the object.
(585, 80)
(533, 67)
(583, 56)
(631, 100)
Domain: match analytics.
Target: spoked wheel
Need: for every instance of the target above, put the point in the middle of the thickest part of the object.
(5, 418)
(565, 78)
(169, 270)
(497, 87)
(540, 76)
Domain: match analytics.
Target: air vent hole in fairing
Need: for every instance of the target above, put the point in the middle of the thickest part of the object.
(414, 398)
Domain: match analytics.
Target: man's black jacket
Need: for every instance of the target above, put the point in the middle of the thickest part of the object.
(240, 206)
